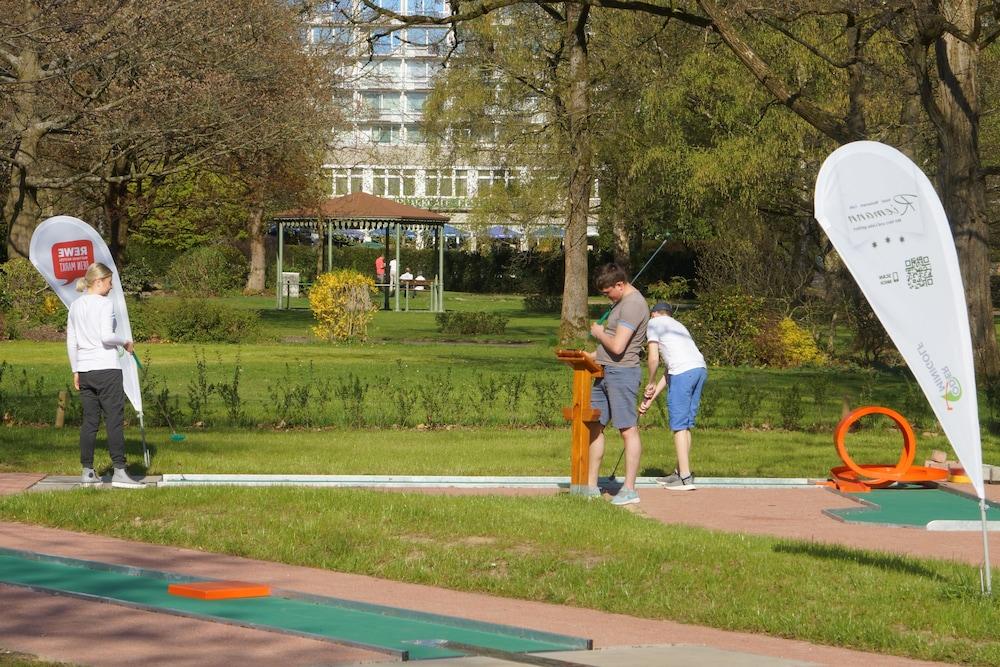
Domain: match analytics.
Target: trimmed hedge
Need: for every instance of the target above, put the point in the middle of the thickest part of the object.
(471, 323)
(194, 321)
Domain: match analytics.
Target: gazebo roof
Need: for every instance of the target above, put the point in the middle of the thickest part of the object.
(361, 210)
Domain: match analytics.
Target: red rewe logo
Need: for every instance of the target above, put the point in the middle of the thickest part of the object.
(70, 259)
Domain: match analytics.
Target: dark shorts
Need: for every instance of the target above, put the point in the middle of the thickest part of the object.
(616, 394)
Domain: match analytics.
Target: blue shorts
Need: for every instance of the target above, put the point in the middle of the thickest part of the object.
(615, 396)
(684, 396)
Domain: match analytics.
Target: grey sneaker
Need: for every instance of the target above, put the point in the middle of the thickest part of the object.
(122, 480)
(626, 497)
(669, 479)
(89, 477)
(681, 484)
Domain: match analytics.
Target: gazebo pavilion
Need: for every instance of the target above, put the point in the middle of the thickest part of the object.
(360, 210)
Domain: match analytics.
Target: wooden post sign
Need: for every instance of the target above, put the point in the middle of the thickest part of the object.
(580, 414)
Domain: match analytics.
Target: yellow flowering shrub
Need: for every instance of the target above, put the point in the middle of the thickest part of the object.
(342, 304)
(787, 344)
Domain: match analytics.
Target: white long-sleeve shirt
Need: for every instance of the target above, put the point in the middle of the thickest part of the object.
(91, 340)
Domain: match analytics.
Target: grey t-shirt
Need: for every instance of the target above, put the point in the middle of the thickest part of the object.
(631, 312)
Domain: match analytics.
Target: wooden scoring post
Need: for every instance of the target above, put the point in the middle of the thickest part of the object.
(61, 409)
(580, 414)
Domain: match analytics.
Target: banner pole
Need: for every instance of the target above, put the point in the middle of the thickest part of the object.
(987, 582)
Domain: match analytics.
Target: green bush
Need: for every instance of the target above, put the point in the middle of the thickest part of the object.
(208, 271)
(137, 276)
(725, 325)
(542, 303)
(156, 260)
(194, 321)
(26, 302)
(471, 323)
(677, 288)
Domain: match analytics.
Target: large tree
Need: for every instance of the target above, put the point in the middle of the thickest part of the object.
(107, 100)
(939, 41)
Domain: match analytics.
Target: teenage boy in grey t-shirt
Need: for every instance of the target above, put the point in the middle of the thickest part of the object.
(621, 338)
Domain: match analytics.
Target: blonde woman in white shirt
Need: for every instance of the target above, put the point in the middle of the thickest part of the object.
(92, 344)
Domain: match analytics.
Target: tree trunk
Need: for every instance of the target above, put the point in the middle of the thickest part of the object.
(960, 181)
(21, 207)
(623, 243)
(574, 317)
(21, 210)
(115, 196)
(255, 230)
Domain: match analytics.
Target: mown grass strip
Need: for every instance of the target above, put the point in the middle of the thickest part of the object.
(565, 550)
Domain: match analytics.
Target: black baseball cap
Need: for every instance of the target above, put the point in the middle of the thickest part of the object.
(662, 307)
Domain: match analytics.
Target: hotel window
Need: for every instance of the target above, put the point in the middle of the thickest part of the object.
(409, 182)
(385, 183)
(385, 134)
(426, 37)
(338, 8)
(415, 102)
(421, 71)
(346, 181)
(331, 34)
(384, 44)
(381, 102)
(415, 134)
(426, 7)
(447, 183)
(488, 178)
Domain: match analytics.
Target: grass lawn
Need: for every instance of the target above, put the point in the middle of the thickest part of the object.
(564, 550)
(459, 451)
(412, 401)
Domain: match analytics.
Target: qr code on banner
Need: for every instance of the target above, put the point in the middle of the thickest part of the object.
(918, 272)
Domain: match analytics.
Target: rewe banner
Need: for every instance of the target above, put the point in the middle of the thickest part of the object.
(61, 249)
(886, 222)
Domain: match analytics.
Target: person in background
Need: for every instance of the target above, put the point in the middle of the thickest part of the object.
(393, 273)
(685, 376)
(92, 344)
(380, 270)
(420, 276)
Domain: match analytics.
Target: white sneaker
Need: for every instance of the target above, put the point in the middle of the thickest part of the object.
(122, 480)
(681, 484)
(89, 477)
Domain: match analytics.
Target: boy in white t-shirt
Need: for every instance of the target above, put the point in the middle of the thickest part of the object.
(685, 373)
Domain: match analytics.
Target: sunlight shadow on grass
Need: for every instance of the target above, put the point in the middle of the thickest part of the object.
(865, 558)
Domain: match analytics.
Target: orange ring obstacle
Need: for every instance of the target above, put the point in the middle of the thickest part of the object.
(860, 478)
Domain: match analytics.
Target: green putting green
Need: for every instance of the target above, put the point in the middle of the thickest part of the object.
(912, 505)
(386, 629)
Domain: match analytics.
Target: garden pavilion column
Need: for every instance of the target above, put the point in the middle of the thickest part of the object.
(329, 245)
(384, 256)
(440, 280)
(281, 250)
(399, 269)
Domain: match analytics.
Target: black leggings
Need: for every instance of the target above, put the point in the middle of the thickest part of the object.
(102, 391)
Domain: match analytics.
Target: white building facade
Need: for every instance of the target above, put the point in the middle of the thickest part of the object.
(389, 77)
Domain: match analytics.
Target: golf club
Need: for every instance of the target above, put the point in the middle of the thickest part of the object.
(174, 435)
(142, 434)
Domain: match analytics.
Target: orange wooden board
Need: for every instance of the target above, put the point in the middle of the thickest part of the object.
(219, 590)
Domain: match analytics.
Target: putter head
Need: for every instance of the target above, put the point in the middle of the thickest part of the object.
(177, 437)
